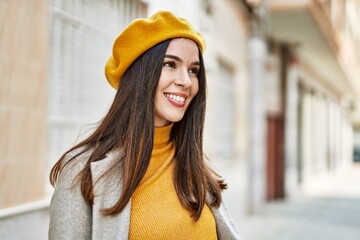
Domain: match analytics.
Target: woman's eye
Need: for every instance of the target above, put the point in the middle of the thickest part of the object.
(169, 64)
(194, 71)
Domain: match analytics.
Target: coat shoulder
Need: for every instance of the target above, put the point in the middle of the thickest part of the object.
(69, 212)
(224, 224)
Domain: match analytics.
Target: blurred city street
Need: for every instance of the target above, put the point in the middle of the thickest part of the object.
(328, 211)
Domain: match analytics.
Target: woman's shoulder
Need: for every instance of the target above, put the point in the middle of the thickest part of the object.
(79, 153)
(74, 161)
(112, 160)
(83, 154)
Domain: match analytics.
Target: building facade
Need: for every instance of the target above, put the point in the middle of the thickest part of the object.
(320, 84)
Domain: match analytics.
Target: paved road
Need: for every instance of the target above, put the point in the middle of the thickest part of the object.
(326, 211)
(306, 219)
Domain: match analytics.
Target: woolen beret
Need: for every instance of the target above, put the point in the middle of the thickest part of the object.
(141, 35)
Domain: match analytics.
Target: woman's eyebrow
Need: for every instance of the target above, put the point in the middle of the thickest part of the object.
(174, 57)
(180, 60)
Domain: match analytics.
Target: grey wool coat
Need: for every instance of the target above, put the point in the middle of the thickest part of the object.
(73, 218)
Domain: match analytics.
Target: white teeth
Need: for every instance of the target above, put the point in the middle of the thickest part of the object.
(175, 97)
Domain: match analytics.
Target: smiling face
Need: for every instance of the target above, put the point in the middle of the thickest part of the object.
(178, 83)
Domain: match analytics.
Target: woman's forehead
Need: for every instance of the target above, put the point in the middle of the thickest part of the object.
(183, 48)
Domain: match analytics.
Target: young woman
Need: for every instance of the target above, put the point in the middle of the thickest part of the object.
(141, 174)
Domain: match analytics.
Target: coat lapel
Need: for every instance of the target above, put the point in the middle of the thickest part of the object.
(107, 191)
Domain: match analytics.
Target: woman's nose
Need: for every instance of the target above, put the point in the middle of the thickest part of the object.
(183, 79)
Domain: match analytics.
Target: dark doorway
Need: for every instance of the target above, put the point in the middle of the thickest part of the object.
(275, 157)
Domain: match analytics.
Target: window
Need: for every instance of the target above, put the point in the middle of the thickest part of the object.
(82, 34)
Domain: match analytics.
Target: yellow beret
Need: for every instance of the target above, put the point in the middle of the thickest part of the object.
(141, 35)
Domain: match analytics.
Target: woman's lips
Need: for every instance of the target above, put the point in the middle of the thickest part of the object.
(176, 99)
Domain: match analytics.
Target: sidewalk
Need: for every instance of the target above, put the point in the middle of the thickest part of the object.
(329, 210)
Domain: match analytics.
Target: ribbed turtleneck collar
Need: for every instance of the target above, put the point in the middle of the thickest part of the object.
(162, 136)
(161, 156)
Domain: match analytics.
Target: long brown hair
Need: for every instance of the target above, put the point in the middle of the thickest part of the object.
(129, 127)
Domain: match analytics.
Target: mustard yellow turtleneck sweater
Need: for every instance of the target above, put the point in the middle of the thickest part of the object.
(156, 212)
